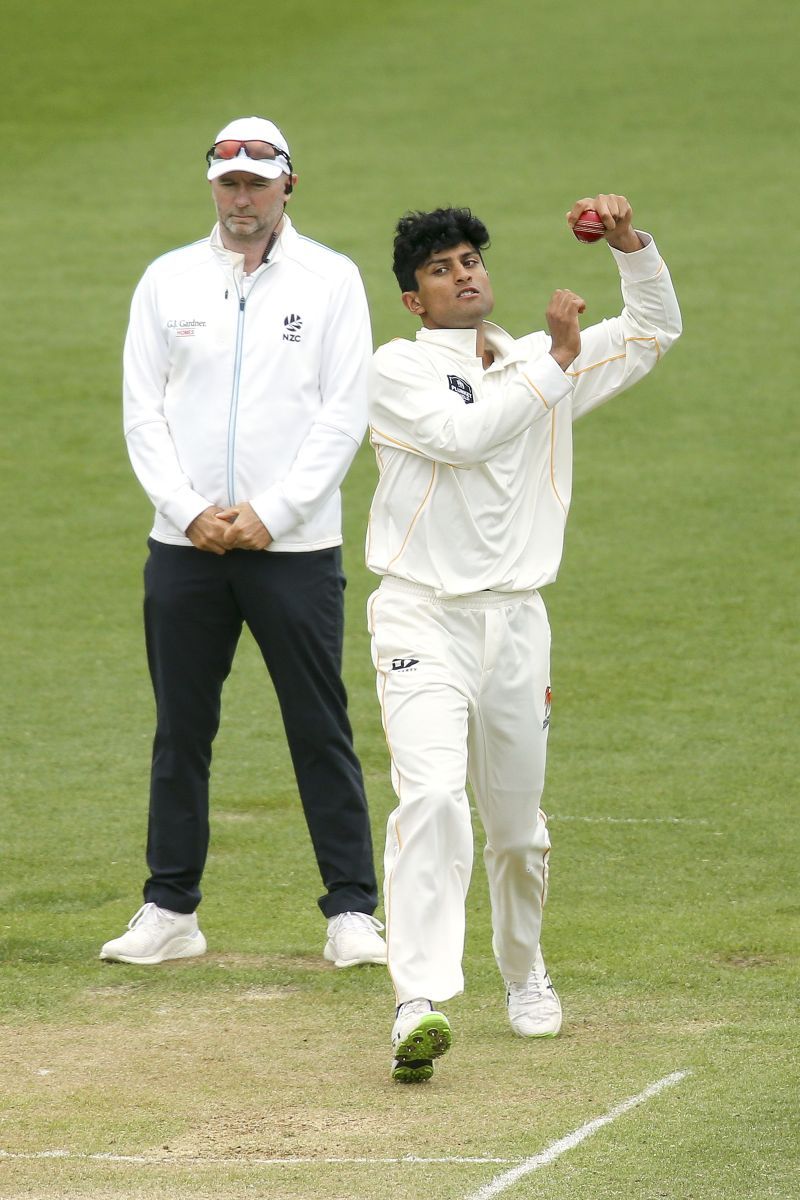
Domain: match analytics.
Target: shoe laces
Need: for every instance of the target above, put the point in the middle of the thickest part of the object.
(414, 1008)
(535, 987)
(352, 920)
(149, 914)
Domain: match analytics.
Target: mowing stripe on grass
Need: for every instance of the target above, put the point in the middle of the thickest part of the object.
(501, 1182)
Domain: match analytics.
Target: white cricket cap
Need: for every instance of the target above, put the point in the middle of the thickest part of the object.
(250, 129)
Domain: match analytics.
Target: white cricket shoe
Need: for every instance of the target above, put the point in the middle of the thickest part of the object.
(155, 934)
(534, 1008)
(421, 1033)
(353, 939)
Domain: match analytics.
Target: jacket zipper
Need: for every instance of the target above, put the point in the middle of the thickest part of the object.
(237, 371)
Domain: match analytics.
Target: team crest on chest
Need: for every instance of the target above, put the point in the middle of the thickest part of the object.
(461, 388)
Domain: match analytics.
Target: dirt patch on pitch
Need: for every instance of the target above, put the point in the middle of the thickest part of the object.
(260, 1076)
(267, 1073)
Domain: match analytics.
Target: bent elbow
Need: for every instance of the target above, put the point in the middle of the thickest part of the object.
(671, 329)
(673, 333)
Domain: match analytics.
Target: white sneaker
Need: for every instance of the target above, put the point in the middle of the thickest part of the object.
(534, 1009)
(155, 934)
(353, 939)
(420, 1035)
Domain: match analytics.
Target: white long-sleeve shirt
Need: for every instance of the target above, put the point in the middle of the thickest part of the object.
(248, 388)
(476, 464)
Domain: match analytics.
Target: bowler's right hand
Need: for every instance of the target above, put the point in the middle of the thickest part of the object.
(207, 532)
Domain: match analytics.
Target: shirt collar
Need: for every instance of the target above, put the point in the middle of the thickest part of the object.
(464, 342)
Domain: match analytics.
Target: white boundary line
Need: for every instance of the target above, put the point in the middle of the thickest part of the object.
(521, 1168)
(179, 1161)
(629, 820)
(554, 1151)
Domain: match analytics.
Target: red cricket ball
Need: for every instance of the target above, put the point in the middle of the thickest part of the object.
(589, 227)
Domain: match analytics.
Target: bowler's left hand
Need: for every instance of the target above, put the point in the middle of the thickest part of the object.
(616, 214)
(246, 530)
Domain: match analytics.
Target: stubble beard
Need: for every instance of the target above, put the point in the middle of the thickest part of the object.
(245, 233)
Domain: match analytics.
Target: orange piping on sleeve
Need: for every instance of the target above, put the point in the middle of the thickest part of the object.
(394, 441)
(616, 357)
(532, 385)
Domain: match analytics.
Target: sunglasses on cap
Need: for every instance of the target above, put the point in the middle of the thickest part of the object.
(254, 150)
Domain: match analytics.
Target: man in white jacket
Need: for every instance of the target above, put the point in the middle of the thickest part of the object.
(244, 403)
(473, 435)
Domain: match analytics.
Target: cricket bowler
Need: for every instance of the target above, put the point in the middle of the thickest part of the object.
(472, 430)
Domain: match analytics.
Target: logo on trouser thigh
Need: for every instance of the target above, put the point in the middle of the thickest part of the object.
(404, 664)
(548, 704)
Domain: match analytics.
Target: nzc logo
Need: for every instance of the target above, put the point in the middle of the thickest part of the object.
(293, 325)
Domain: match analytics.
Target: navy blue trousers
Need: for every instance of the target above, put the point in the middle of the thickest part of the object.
(195, 606)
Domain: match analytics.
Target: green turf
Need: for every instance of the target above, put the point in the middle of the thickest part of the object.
(672, 927)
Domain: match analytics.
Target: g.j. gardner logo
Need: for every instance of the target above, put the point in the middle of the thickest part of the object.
(293, 325)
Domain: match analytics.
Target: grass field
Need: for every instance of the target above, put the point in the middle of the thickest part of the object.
(673, 925)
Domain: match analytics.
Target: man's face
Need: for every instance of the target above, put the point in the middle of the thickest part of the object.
(453, 290)
(249, 207)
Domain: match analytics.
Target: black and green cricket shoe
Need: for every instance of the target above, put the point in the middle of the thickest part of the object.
(427, 1036)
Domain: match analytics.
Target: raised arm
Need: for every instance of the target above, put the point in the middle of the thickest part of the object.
(617, 352)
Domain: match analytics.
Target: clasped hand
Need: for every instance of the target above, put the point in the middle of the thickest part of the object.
(218, 530)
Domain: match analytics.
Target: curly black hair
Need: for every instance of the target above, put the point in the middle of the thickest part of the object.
(421, 234)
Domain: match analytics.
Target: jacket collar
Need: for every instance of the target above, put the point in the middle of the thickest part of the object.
(463, 342)
(230, 258)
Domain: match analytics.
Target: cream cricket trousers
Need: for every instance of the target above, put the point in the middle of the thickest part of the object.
(464, 691)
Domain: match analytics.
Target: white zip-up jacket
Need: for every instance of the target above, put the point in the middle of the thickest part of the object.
(248, 388)
(476, 465)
